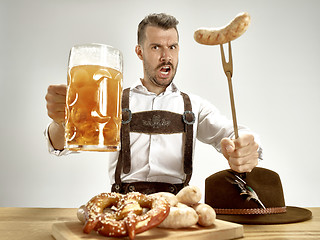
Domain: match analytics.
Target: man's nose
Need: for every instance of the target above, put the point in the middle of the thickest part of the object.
(165, 56)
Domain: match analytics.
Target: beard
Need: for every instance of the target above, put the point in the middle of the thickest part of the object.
(152, 74)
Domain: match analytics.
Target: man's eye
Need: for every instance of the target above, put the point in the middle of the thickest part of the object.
(155, 47)
(173, 47)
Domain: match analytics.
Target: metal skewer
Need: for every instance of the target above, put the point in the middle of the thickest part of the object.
(228, 69)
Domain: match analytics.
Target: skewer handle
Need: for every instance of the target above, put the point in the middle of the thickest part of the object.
(233, 108)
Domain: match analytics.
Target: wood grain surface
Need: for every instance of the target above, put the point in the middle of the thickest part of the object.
(37, 223)
(220, 230)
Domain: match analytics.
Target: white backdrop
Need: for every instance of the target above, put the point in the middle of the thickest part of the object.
(276, 87)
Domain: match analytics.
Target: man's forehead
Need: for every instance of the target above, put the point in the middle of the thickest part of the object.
(157, 34)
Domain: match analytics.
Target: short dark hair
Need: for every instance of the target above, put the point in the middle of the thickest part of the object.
(161, 20)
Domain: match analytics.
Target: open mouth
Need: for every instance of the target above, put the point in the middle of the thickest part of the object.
(165, 70)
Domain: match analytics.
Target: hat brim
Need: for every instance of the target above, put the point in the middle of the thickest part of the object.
(292, 215)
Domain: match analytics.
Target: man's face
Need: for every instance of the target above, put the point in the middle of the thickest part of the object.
(159, 52)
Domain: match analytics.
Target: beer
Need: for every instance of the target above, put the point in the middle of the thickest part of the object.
(93, 108)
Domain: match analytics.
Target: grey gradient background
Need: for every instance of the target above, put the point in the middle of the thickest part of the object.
(276, 86)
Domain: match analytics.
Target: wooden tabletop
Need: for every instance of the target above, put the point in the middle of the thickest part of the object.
(36, 223)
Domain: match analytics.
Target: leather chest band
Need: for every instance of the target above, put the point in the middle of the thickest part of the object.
(157, 122)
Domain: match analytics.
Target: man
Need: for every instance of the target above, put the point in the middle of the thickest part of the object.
(157, 161)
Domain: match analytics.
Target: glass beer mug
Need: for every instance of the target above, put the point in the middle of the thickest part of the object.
(93, 102)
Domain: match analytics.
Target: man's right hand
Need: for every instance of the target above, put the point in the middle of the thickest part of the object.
(56, 102)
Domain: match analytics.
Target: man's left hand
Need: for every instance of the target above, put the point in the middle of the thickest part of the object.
(241, 153)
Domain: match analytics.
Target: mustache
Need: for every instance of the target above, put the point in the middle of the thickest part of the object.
(164, 64)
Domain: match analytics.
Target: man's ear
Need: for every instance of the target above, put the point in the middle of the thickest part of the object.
(139, 52)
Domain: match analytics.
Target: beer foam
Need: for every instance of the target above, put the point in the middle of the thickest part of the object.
(96, 54)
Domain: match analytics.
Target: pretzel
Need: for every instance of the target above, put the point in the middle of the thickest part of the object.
(215, 36)
(124, 216)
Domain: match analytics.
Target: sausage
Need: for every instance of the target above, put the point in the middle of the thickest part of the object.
(181, 216)
(170, 197)
(189, 195)
(81, 214)
(206, 214)
(215, 36)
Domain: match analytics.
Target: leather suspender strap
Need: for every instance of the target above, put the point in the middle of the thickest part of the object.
(117, 186)
(124, 160)
(125, 132)
(189, 119)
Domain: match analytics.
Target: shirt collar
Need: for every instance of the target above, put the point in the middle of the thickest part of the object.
(137, 86)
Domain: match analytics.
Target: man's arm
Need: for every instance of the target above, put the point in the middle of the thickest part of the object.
(215, 129)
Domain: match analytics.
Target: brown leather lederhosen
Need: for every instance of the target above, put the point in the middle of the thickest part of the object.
(153, 122)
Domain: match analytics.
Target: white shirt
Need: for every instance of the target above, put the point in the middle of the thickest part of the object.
(159, 157)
